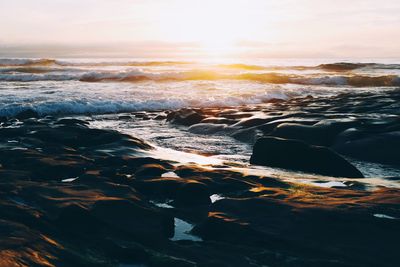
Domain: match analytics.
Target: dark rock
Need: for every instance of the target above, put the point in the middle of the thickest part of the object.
(76, 219)
(185, 117)
(150, 170)
(207, 128)
(218, 226)
(193, 193)
(322, 133)
(159, 187)
(305, 133)
(248, 135)
(267, 128)
(137, 162)
(297, 155)
(143, 222)
(251, 122)
(218, 120)
(70, 121)
(78, 135)
(382, 148)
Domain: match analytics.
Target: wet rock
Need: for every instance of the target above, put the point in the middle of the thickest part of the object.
(297, 155)
(207, 128)
(251, 122)
(193, 193)
(185, 117)
(150, 170)
(159, 187)
(305, 133)
(322, 133)
(219, 226)
(267, 128)
(79, 135)
(381, 148)
(143, 222)
(70, 121)
(76, 219)
(219, 120)
(248, 135)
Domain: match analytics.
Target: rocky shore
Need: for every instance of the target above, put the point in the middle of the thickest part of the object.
(74, 195)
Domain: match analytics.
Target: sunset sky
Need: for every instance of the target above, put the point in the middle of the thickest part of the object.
(169, 28)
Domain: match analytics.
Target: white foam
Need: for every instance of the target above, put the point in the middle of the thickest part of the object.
(170, 175)
(182, 231)
(53, 98)
(214, 198)
(69, 180)
(384, 216)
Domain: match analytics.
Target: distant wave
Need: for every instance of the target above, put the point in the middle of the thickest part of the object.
(242, 67)
(37, 69)
(6, 62)
(335, 67)
(123, 63)
(274, 78)
(26, 62)
(344, 66)
(37, 77)
(270, 77)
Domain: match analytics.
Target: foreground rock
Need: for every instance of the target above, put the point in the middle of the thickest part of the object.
(297, 155)
(185, 117)
(71, 195)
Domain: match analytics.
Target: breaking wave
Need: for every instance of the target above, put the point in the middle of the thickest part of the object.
(86, 106)
(26, 62)
(271, 77)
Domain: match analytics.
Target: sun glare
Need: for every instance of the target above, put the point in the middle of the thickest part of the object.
(216, 26)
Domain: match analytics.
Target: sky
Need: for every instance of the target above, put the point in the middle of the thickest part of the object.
(190, 28)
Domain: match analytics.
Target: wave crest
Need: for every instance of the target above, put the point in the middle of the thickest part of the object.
(270, 77)
(274, 78)
(26, 62)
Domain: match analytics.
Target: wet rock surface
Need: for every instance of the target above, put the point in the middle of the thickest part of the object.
(297, 155)
(72, 195)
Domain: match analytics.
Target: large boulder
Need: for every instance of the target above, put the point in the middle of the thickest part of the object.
(297, 155)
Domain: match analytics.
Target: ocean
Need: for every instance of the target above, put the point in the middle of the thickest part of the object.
(99, 86)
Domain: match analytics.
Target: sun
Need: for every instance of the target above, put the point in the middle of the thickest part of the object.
(215, 26)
